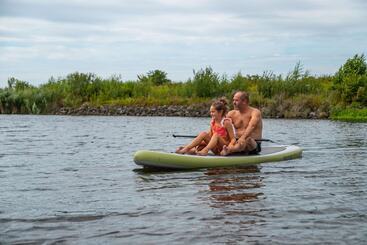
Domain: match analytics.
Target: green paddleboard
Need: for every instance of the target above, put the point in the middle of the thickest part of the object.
(158, 159)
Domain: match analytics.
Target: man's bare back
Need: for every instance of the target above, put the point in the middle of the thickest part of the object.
(247, 121)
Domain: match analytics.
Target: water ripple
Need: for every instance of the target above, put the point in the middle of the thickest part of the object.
(72, 180)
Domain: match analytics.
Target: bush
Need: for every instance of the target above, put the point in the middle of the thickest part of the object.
(350, 82)
(156, 78)
(349, 114)
(206, 83)
(296, 95)
(238, 83)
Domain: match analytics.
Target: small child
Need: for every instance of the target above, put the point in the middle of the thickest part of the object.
(221, 133)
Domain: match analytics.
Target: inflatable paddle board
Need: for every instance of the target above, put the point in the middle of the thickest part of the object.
(158, 159)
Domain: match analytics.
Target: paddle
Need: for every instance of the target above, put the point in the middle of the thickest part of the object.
(193, 136)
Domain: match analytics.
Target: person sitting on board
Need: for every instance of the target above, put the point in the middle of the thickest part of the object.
(247, 121)
(221, 133)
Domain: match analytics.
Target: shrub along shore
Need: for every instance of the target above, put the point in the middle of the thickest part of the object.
(342, 96)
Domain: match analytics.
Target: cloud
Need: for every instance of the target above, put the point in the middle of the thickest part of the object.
(107, 36)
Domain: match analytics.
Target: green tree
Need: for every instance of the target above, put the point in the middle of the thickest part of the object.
(77, 87)
(350, 81)
(239, 82)
(17, 84)
(156, 77)
(206, 83)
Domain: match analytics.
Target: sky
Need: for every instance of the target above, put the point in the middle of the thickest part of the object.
(44, 38)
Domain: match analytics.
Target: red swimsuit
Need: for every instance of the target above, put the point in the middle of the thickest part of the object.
(220, 130)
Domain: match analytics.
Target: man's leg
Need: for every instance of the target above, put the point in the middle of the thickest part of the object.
(238, 147)
(251, 145)
(246, 145)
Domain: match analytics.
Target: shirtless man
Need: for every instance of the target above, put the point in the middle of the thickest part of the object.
(248, 124)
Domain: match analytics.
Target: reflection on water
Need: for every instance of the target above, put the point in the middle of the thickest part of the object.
(226, 185)
(228, 200)
(72, 180)
(237, 194)
(233, 185)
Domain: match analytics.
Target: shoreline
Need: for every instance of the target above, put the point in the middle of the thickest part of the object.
(201, 110)
(280, 111)
(196, 110)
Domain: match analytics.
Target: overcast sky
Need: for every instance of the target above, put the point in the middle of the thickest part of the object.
(44, 38)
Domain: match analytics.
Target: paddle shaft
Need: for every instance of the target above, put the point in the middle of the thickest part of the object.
(193, 136)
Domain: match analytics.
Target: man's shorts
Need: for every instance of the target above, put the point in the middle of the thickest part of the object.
(257, 150)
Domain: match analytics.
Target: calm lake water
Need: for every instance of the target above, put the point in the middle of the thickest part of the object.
(72, 180)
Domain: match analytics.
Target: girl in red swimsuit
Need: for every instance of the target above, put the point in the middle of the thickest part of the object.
(221, 133)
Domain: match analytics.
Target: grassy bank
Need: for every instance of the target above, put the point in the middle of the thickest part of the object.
(350, 115)
(296, 95)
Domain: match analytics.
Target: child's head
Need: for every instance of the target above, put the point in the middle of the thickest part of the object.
(219, 107)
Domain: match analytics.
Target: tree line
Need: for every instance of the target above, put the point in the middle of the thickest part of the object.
(346, 89)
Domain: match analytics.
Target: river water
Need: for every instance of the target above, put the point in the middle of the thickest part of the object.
(72, 180)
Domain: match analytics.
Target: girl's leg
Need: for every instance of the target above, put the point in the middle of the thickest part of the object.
(202, 136)
(211, 145)
(220, 144)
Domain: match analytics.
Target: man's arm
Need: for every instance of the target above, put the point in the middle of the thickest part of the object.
(230, 114)
(229, 127)
(254, 121)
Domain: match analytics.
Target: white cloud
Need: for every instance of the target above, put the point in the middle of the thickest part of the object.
(107, 36)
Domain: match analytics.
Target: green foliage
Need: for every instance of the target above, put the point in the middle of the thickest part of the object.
(206, 83)
(296, 83)
(79, 87)
(297, 95)
(5, 101)
(269, 85)
(17, 84)
(297, 73)
(156, 78)
(349, 114)
(353, 66)
(238, 82)
(350, 82)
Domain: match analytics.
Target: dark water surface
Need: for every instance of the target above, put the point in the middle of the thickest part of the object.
(72, 180)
